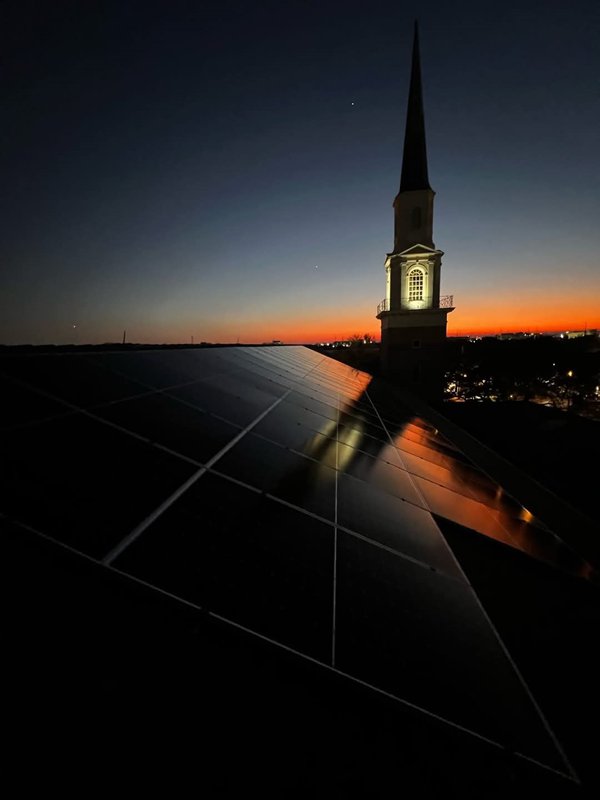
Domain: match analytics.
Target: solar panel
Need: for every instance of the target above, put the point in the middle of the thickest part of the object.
(285, 493)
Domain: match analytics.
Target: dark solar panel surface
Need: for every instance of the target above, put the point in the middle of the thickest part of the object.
(283, 492)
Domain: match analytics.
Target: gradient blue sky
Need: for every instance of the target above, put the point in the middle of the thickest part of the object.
(179, 169)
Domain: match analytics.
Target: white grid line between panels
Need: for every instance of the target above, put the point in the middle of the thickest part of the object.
(168, 502)
(139, 529)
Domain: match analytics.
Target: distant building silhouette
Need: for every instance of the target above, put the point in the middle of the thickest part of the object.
(413, 316)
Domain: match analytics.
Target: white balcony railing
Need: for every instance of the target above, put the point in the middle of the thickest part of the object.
(446, 301)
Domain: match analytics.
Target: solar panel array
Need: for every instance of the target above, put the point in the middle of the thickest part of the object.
(283, 492)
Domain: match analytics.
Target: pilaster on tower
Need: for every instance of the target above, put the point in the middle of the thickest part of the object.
(413, 317)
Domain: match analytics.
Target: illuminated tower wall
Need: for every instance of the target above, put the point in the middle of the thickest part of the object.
(413, 316)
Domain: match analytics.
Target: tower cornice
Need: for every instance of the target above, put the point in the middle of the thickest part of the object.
(419, 248)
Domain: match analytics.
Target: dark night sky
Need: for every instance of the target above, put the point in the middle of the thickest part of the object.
(180, 169)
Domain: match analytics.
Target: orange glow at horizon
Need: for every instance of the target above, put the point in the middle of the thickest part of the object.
(474, 316)
(294, 332)
(534, 316)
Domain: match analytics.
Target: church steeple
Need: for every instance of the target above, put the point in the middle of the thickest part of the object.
(412, 313)
(414, 160)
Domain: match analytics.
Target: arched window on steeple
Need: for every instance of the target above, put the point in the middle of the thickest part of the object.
(416, 218)
(415, 285)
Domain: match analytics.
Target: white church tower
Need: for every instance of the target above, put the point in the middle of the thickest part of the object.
(413, 316)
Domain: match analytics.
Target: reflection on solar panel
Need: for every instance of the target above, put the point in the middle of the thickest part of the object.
(274, 489)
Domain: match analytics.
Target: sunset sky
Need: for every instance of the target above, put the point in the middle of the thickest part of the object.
(226, 170)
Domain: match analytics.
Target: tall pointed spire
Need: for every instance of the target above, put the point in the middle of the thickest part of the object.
(414, 160)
